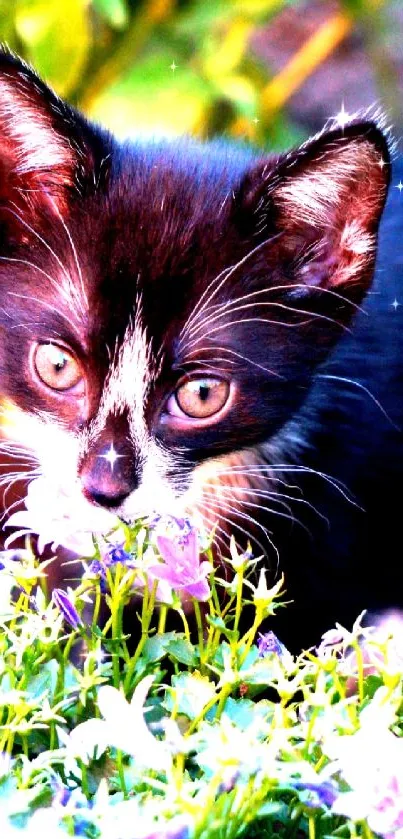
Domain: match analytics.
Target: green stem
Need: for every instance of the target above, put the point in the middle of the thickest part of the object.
(115, 634)
(200, 632)
(221, 698)
(250, 635)
(84, 778)
(185, 623)
(97, 606)
(162, 619)
(121, 772)
(239, 592)
(146, 617)
(360, 670)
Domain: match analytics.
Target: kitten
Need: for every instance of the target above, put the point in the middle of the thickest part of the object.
(164, 308)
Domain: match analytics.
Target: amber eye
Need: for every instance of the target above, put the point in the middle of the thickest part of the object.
(56, 367)
(201, 398)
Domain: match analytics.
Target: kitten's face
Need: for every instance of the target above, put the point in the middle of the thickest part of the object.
(163, 307)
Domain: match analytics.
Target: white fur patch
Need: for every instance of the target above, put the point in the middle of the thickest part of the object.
(155, 494)
(313, 195)
(55, 448)
(127, 386)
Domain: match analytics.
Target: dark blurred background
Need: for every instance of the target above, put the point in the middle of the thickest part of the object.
(263, 70)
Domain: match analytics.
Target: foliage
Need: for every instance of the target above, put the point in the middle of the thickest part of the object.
(173, 66)
(214, 733)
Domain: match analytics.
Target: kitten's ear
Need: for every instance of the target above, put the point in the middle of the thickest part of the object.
(47, 150)
(322, 204)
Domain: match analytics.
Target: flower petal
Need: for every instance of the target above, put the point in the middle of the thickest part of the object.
(200, 589)
(87, 737)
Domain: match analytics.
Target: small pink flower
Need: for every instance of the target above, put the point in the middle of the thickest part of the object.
(181, 568)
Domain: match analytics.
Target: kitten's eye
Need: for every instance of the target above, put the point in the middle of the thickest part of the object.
(202, 398)
(56, 367)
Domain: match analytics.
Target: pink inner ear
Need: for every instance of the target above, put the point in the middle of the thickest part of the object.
(35, 157)
(333, 203)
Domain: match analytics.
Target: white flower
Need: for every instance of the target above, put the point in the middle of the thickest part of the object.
(371, 762)
(226, 750)
(60, 518)
(123, 727)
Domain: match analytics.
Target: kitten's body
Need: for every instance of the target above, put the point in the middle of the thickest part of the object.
(171, 274)
(355, 561)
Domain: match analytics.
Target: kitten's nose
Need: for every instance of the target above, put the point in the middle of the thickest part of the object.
(108, 475)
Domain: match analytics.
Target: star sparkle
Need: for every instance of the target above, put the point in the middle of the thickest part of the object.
(111, 456)
(173, 66)
(343, 117)
(399, 186)
(395, 304)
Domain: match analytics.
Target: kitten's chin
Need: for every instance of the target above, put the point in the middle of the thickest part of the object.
(149, 502)
(60, 515)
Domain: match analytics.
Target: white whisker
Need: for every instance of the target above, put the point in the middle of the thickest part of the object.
(245, 517)
(72, 291)
(267, 321)
(230, 311)
(230, 305)
(221, 278)
(74, 251)
(257, 469)
(60, 288)
(238, 355)
(366, 391)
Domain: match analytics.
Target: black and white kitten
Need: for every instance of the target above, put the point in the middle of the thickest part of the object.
(164, 307)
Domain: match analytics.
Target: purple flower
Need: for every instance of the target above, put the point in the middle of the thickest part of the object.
(320, 795)
(98, 569)
(181, 568)
(269, 643)
(112, 556)
(115, 554)
(66, 607)
(176, 829)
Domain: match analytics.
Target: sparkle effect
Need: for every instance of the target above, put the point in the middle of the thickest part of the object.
(111, 456)
(399, 186)
(343, 117)
(173, 66)
(395, 304)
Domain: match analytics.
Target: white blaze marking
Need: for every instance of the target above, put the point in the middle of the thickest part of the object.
(127, 386)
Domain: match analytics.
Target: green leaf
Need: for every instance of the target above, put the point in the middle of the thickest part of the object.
(153, 99)
(243, 712)
(44, 681)
(183, 651)
(56, 38)
(156, 646)
(115, 12)
(191, 693)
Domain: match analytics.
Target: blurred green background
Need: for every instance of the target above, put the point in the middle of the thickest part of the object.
(262, 70)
